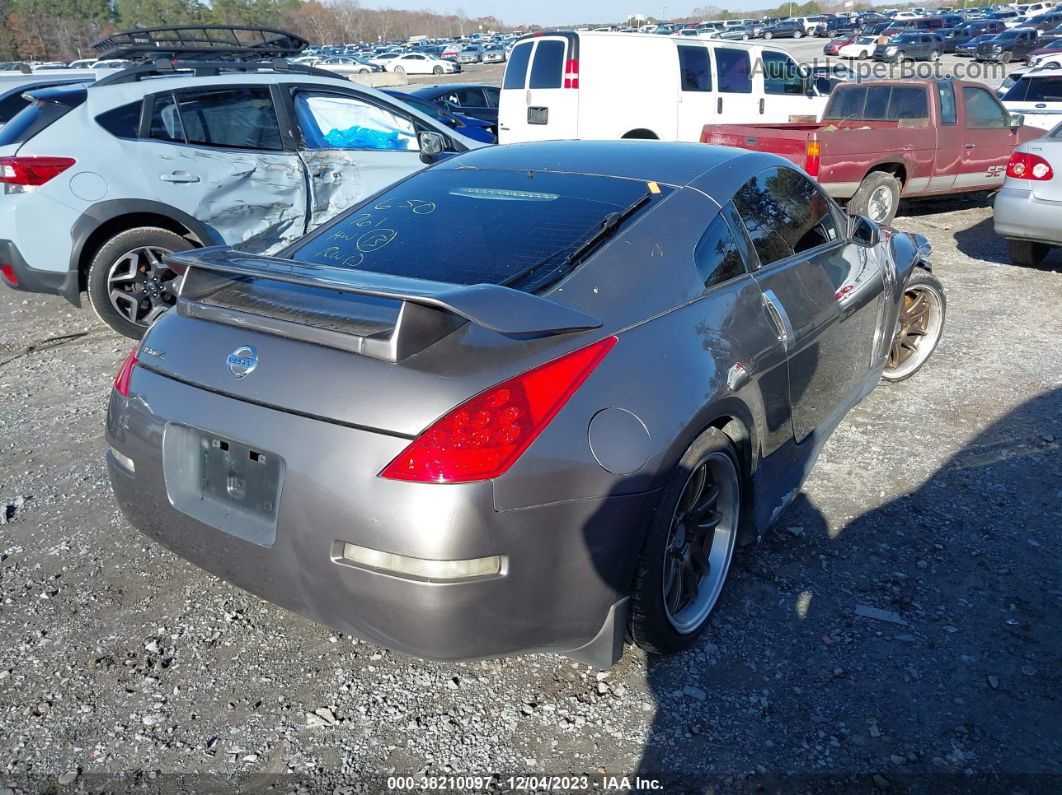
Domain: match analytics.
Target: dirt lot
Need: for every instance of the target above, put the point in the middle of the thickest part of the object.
(937, 501)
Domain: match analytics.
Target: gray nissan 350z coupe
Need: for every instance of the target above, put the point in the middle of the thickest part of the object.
(528, 399)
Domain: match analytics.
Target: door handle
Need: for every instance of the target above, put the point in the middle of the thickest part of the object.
(968, 146)
(719, 105)
(779, 319)
(179, 176)
(761, 106)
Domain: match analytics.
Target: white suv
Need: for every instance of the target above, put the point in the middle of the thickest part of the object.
(101, 180)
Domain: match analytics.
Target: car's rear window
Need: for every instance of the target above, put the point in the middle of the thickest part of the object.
(548, 66)
(516, 70)
(1035, 89)
(50, 105)
(474, 226)
(878, 103)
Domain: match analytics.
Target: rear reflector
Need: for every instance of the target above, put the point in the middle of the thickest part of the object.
(8, 274)
(32, 170)
(485, 435)
(420, 568)
(121, 381)
(124, 461)
(1023, 165)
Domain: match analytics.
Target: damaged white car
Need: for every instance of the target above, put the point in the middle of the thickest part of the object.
(101, 181)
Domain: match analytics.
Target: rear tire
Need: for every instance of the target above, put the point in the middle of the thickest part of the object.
(687, 548)
(768, 35)
(877, 197)
(1027, 253)
(934, 56)
(127, 285)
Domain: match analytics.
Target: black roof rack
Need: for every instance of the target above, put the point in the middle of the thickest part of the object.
(188, 42)
(163, 66)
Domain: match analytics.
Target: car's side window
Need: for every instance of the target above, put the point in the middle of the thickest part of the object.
(469, 98)
(334, 121)
(946, 92)
(781, 75)
(717, 254)
(232, 118)
(734, 70)
(695, 73)
(493, 96)
(785, 213)
(982, 110)
(123, 121)
(165, 120)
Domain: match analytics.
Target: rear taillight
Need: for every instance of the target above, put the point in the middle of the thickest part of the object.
(811, 161)
(7, 273)
(1023, 165)
(483, 437)
(121, 381)
(571, 73)
(32, 170)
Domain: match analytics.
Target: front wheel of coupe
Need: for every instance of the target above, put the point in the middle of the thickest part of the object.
(688, 547)
(918, 327)
(129, 286)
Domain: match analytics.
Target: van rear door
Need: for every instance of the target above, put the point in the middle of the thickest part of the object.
(540, 92)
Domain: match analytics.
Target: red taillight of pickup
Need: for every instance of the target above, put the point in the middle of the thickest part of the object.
(1023, 165)
(811, 157)
(32, 171)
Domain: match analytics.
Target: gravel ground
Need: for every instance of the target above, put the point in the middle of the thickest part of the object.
(900, 625)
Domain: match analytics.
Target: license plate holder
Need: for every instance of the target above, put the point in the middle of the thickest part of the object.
(230, 485)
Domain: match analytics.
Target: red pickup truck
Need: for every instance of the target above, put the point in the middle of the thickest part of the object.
(883, 140)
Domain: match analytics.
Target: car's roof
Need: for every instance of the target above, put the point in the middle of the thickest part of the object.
(667, 162)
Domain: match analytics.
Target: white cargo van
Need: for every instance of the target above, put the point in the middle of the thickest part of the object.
(592, 85)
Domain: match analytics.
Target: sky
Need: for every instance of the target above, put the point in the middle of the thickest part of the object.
(556, 12)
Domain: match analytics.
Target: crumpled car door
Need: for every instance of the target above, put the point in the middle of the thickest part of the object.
(216, 154)
(351, 148)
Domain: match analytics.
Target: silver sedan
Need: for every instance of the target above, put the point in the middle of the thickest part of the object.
(1028, 209)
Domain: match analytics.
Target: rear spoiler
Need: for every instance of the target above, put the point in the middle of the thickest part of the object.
(217, 280)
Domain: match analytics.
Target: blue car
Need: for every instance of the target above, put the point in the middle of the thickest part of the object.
(478, 100)
(476, 129)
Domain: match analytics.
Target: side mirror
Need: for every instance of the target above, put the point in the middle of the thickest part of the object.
(863, 232)
(1016, 120)
(432, 144)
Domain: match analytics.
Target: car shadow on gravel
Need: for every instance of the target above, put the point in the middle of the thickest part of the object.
(914, 646)
(980, 241)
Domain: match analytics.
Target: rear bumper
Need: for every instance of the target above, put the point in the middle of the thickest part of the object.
(568, 564)
(35, 280)
(1017, 214)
